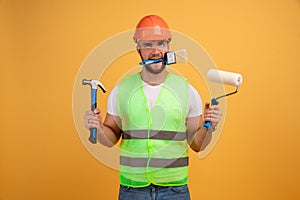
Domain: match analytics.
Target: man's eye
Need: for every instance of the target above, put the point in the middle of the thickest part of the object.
(147, 45)
(162, 44)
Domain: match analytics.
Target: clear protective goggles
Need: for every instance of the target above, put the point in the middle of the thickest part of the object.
(153, 44)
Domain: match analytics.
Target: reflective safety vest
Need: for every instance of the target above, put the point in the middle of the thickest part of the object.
(154, 146)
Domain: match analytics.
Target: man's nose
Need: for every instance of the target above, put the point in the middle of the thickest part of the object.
(156, 50)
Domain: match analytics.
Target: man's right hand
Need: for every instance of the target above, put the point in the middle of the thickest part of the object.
(108, 133)
(93, 119)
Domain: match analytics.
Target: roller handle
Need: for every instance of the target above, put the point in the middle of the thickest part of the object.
(214, 101)
(93, 131)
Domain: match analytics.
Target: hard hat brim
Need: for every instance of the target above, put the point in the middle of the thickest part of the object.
(153, 33)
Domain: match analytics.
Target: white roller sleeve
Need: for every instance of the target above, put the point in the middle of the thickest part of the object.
(224, 77)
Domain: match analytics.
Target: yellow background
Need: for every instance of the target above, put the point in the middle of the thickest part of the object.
(43, 44)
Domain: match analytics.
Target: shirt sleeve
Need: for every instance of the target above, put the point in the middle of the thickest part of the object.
(112, 104)
(194, 102)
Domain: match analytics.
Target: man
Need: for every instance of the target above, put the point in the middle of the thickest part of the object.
(158, 115)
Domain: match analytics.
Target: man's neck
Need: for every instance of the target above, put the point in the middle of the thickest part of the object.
(154, 79)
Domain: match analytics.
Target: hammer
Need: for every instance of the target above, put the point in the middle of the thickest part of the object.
(94, 85)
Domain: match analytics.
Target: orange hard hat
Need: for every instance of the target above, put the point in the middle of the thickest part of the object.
(152, 27)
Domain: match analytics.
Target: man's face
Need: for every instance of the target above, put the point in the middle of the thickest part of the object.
(152, 50)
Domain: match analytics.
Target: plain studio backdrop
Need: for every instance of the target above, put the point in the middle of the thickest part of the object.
(44, 43)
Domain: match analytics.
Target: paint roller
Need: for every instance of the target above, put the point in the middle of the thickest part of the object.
(228, 78)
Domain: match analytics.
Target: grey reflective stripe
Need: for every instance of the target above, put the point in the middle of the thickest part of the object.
(154, 162)
(158, 135)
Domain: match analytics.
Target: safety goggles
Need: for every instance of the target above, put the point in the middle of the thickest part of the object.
(153, 44)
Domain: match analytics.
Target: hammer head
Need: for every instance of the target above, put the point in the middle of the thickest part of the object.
(94, 84)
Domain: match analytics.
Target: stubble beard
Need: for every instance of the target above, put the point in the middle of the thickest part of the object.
(153, 70)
